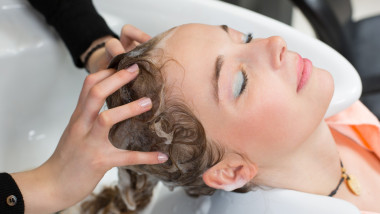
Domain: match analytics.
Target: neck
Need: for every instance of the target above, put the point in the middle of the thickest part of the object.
(313, 168)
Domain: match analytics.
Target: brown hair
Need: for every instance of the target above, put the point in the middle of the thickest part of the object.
(169, 127)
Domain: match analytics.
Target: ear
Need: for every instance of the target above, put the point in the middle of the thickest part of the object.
(231, 173)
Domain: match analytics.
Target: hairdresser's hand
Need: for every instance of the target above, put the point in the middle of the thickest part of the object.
(130, 37)
(84, 153)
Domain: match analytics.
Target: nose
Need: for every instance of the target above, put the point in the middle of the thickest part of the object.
(277, 49)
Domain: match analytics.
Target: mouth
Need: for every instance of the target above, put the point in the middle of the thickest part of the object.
(304, 70)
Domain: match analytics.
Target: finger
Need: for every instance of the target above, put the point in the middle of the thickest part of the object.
(94, 78)
(114, 48)
(108, 118)
(98, 94)
(136, 43)
(130, 33)
(126, 158)
(89, 82)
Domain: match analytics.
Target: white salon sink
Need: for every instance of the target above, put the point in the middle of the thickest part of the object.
(39, 85)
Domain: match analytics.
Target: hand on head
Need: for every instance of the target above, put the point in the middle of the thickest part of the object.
(130, 37)
(84, 153)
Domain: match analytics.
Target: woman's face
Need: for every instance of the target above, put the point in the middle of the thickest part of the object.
(257, 98)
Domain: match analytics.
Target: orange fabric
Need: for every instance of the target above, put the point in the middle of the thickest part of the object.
(360, 125)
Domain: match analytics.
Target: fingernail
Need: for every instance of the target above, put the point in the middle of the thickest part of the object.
(162, 157)
(133, 68)
(145, 102)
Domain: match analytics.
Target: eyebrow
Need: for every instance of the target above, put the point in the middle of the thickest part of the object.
(218, 66)
(224, 27)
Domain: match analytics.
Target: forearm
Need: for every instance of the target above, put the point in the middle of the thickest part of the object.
(30, 186)
(39, 191)
(76, 21)
(48, 188)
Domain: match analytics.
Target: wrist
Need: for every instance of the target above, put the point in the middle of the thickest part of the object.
(94, 52)
(34, 186)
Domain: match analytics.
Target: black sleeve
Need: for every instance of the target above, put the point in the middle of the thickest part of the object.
(11, 201)
(76, 21)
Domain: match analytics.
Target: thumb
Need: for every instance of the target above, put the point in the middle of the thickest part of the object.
(125, 157)
(114, 48)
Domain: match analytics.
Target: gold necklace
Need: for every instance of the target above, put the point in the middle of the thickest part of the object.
(351, 182)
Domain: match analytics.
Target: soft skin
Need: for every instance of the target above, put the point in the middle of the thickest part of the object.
(271, 125)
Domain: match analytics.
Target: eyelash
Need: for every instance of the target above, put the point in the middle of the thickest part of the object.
(244, 84)
(248, 38)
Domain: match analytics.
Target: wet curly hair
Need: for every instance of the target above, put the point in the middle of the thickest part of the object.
(169, 127)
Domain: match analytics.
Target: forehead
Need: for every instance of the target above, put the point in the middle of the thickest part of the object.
(192, 38)
(193, 49)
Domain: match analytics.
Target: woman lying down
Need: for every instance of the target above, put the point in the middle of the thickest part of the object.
(233, 113)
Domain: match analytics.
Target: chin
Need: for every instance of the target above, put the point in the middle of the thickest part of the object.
(329, 83)
(325, 87)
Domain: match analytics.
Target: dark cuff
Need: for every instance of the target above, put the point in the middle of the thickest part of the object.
(76, 21)
(11, 200)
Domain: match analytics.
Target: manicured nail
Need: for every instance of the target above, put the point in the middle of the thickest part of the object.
(162, 158)
(133, 68)
(145, 102)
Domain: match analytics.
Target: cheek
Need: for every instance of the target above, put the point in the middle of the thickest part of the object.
(273, 115)
(273, 124)
(275, 119)
(266, 122)
(282, 116)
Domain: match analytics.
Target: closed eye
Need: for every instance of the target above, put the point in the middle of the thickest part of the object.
(240, 83)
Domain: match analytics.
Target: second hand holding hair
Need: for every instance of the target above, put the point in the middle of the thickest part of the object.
(97, 58)
(84, 153)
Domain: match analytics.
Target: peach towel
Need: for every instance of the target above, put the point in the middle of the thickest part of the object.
(360, 125)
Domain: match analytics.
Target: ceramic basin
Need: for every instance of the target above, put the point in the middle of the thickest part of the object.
(39, 85)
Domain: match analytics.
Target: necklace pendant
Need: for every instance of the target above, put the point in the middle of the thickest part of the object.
(353, 184)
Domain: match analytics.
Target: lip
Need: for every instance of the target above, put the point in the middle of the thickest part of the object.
(304, 70)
